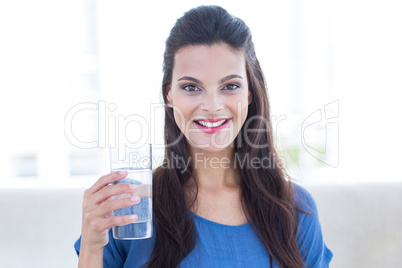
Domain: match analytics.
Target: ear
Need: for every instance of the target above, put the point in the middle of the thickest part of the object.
(250, 97)
(169, 96)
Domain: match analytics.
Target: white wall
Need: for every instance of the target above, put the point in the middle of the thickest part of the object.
(332, 69)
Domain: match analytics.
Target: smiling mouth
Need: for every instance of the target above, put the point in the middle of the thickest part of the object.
(211, 124)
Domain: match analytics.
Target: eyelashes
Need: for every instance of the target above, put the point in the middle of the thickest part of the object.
(190, 88)
(194, 88)
(231, 87)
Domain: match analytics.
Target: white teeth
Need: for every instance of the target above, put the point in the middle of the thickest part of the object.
(209, 124)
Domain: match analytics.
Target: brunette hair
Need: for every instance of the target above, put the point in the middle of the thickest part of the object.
(267, 196)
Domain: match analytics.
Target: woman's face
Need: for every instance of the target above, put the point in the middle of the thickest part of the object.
(209, 94)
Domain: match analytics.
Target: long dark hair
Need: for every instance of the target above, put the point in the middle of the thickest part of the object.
(267, 196)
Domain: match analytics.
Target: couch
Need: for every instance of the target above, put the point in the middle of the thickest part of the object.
(362, 225)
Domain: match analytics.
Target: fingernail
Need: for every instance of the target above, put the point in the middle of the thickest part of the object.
(133, 217)
(123, 172)
(135, 198)
(133, 186)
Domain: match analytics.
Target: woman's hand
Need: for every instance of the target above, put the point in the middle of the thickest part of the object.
(97, 210)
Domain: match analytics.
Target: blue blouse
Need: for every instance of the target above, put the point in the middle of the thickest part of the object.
(220, 245)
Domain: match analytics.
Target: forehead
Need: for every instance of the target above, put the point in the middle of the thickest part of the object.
(214, 60)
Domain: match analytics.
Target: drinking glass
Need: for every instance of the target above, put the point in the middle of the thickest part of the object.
(136, 159)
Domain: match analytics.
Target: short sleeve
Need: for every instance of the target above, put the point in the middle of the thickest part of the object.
(113, 255)
(309, 237)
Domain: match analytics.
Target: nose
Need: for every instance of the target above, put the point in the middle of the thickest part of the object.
(212, 103)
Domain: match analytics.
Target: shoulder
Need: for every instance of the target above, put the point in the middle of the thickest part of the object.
(309, 234)
(303, 199)
(309, 226)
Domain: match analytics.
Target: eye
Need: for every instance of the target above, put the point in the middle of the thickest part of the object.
(190, 88)
(231, 87)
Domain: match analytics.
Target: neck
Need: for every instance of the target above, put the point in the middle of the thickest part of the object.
(214, 170)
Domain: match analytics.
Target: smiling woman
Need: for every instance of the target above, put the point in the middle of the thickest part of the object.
(228, 207)
(210, 94)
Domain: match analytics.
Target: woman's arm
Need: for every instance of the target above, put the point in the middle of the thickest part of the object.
(309, 236)
(97, 216)
(90, 258)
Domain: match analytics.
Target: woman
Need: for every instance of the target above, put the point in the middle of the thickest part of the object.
(232, 206)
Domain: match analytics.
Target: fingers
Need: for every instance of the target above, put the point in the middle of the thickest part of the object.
(102, 190)
(114, 204)
(105, 208)
(100, 217)
(144, 190)
(97, 208)
(102, 225)
(107, 223)
(120, 220)
(113, 190)
(106, 180)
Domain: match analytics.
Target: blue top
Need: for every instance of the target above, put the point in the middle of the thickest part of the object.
(220, 245)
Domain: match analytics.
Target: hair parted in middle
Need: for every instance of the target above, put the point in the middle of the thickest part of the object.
(267, 196)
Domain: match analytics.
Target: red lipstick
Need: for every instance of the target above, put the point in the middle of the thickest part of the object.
(209, 125)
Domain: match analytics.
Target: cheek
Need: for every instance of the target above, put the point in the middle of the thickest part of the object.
(243, 115)
(182, 112)
(240, 108)
(179, 118)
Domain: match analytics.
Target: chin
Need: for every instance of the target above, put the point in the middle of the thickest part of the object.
(208, 145)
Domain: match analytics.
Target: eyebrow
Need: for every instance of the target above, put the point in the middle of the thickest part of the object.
(223, 80)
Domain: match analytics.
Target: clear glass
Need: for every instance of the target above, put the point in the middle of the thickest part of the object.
(136, 159)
